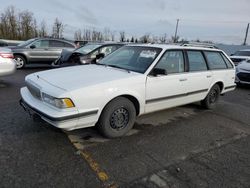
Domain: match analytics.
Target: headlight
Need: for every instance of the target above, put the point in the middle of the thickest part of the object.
(83, 60)
(59, 103)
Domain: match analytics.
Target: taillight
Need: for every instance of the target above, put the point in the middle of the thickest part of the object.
(7, 55)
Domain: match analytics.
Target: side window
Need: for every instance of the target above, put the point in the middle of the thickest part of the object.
(196, 61)
(229, 64)
(107, 50)
(172, 62)
(93, 54)
(67, 45)
(215, 60)
(41, 44)
(56, 44)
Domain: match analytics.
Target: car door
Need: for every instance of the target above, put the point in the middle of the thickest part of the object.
(199, 78)
(37, 51)
(166, 90)
(55, 49)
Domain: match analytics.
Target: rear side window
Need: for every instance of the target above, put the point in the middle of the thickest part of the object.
(55, 43)
(172, 62)
(215, 60)
(229, 64)
(68, 45)
(196, 61)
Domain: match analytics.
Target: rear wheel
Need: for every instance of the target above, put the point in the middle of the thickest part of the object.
(117, 118)
(20, 61)
(212, 97)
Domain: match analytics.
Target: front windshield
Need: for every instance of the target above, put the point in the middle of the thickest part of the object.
(242, 53)
(26, 42)
(87, 48)
(132, 58)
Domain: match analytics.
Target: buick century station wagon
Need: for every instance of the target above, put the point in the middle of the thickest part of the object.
(134, 80)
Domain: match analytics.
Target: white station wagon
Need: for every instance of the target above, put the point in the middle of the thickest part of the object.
(134, 80)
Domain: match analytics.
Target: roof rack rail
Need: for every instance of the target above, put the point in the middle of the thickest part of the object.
(199, 44)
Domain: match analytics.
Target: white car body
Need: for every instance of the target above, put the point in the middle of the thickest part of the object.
(243, 72)
(7, 63)
(92, 87)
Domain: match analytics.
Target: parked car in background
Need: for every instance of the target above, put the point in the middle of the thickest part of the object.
(89, 53)
(133, 80)
(9, 43)
(7, 62)
(243, 72)
(39, 51)
(240, 55)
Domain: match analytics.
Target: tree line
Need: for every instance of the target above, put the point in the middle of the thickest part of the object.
(22, 25)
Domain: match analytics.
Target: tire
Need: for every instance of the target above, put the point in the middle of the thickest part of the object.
(212, 97)
(20, 61)
(117, 118)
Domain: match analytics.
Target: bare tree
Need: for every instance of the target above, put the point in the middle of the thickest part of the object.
(58, 29)
(122, 36)
(78, 35)
(163, 38)
(106, 34)
(42, 32)
(145, 38)
(26, 25)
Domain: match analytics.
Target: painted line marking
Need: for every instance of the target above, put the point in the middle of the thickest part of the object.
(100, 173)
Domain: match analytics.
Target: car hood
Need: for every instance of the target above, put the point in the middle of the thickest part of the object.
(71, 78)
(244, 66)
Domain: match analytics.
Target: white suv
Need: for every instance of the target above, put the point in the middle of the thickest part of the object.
(132, 81)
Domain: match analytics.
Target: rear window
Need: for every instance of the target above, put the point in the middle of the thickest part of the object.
(215, 60)
(229, 64)
(196, 61)
(242, 53)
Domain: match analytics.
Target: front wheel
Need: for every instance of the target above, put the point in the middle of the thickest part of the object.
(20, 61)
(117, 118)
(212, 97)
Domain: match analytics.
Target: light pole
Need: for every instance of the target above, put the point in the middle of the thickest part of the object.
(176, 30)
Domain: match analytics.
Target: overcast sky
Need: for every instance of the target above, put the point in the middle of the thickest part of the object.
(222, 21)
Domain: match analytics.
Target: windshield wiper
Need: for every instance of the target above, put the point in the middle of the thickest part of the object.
(115, 66)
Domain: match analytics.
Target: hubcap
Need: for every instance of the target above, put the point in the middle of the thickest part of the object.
(119, 118)
(213, 96)
(19, 62)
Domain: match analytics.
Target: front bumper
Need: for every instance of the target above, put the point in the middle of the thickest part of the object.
(243, 77)
(63, 119)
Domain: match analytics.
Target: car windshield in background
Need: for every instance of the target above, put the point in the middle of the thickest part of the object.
(87, 48)
(242, 53)
(26, 42)
(133, 58)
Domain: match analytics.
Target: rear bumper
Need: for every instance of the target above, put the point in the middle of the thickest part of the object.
(7, 68)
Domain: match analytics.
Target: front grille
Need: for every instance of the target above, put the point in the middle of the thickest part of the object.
(244, 76)
(35, 91)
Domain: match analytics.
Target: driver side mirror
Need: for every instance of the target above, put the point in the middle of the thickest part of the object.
(33, 46)
(158, 71)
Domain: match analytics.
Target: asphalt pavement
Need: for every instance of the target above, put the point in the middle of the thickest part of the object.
(180, 147)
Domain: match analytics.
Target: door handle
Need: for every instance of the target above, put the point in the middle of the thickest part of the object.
(209, 76)
(182, 79)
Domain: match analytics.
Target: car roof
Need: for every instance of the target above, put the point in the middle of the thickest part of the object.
(245, 50)
(175, 46)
